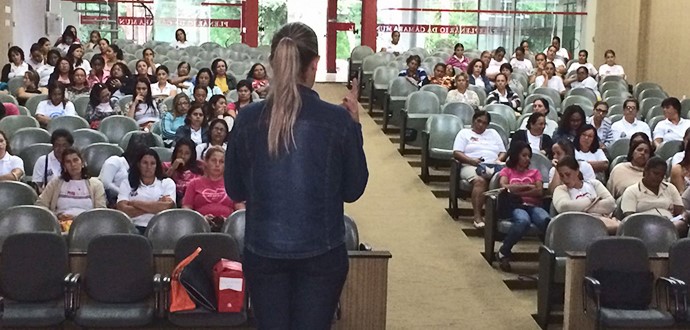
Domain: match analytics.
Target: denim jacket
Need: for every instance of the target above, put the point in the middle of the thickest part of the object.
(295, 202)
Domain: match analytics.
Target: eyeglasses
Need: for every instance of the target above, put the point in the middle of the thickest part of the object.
(631, 108)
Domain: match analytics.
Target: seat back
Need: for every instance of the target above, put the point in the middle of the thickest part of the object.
(627, 254)
(422, 102)
(27, 218)
(92, 223)
(14, 84)
(167, 227)
(351, 234)
(461, 110)
(401, 86)
(383, 75)
(657, 233)
(438, 90)
(481, 93)
(234, 226)
(504, 111)
(617, 109)
(586, 92)
(645, 85)
(125, 139)
(372, 62)
(619, 148)
(85, 137)
(501, 131)
(115, 127)
(667, 149)
(124, 102)
(442, 131)
(31, 154)
(652, 93)
(11, 124)
(615, 100)
(647, 104)
(96, 154)
(33, 267)
(360, 52)
(573, 231)
(584, 103)
(33, 101)
(26, 137)
(214, 246)
(543, 164)
(552, 93)
(678, 257)
(165, 154)
(70, 123)
(119, 269)
(14, 193)
(81, 105)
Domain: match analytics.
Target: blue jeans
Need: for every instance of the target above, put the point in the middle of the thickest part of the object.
(522, 219)
(296, 293)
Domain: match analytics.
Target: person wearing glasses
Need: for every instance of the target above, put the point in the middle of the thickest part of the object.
(629, 124)
(674, 126)
(602, 123)
(587, 148)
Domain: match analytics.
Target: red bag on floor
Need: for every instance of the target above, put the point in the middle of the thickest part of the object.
(229, 283)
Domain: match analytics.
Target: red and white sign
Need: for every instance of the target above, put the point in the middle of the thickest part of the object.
(177, 22)
(442, 29)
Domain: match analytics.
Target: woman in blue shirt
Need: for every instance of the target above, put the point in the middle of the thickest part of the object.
(414, 72)
(295, 159)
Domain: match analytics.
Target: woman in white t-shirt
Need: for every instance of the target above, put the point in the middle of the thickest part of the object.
(610, 68)
(163, 87)
(75, 54)
(16, 67)
(579, 195)
(561, 149)
(181, 39)
(11, 167)
(217, 135)
(474, 146)
(588, 149)
(73, 191)
(146, 190)
(143, 109)
(55, 106)
(461, 93)
(549, 79)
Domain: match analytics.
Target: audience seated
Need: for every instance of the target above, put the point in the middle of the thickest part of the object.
(610, 68)
(101, 106)
(572, 120)
(16, 66)
(55, 106)
(524, 185)
(587, 148)
(558, 63)
(130, 85)
(259, 78)
(394, 46)
(626, 174)
(30, 87)
(98, 73)
(206, 194)
(11, 166)
(458, 59)
(73, 191)
(183, 166)
(181, 39)
(485, 57)
(146, 191)
(204, 80)
(103, 45)
(45, 72)
(476, 71)
(474, 147)
(560, 149)
(524, 44)
(63, 43)
(601, 123)
(519, 62)
(163, 87)
(75, 54)
(244, 98)
(94, 38)
(629, 124)
(172, 120)
(148, 57)
(560, 52)
(62, 72)
(218, 107)
(678, 157)
(674, 126)
(200, 95)
(680, 172)
(534, 135)
(36, 59)
(46, 46)
(182, 79)
(652, 195)
(461, 93)
(582, 57)
(414, 73)
(221, 78)
(579, 195)
(539, 69)
(195, 126)
(495, 63)
(549, 79)
(583, 80)
(78, 86)
(513, 82)
(217, 136)
(48, 166)
(119, 76)
(440, 77)
(111, 57)
(143, 109)
(503, 94)
(115, 169)
(541, 105)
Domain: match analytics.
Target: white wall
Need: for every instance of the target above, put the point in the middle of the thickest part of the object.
(30, 20)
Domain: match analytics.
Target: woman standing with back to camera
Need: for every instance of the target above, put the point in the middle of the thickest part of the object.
(295, 159)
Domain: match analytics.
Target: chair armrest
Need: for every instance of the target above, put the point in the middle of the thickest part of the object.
(165, 297)
(591, 288)
(363, 246)
(73, 293)
(2, 306)
(425, 156)
(158, 296)
(667, 286)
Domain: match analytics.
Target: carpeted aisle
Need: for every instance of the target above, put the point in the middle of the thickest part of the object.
(437, 277)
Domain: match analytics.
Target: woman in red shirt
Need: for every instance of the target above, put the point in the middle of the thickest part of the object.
(206, 194)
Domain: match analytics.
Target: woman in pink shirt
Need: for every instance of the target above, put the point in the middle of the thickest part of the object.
(184, 167)
(98, 75)
(458, 60)
(526, 184)
(206, 194)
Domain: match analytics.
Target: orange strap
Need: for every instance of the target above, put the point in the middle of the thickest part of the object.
(179, 299)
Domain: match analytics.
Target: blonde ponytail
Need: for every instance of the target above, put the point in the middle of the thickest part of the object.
(293, 47)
